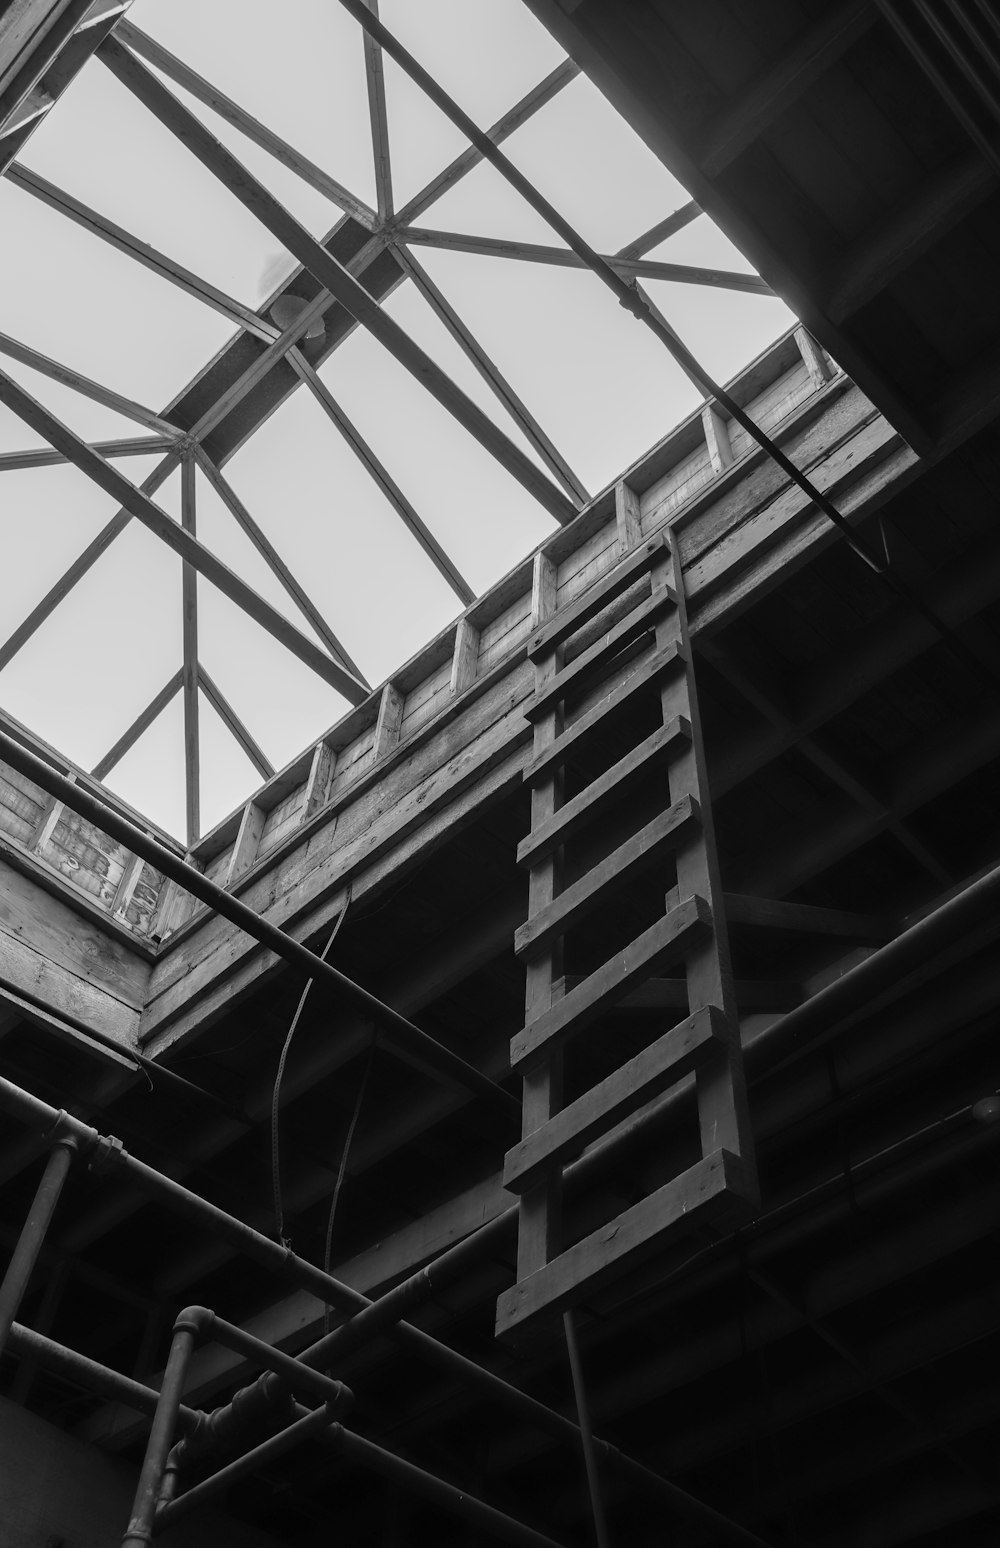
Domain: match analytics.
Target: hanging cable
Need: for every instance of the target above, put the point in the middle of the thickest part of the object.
(586, 1433)
(279, 1218)
(342, 1171)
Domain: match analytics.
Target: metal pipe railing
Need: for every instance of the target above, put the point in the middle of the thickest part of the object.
(92, 1376)
(29, 1243)
(286, 1264)
(397, 1028)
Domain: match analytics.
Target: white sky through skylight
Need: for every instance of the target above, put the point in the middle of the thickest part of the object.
(600, 385)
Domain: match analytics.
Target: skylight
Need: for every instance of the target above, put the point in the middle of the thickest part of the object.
(131, 264)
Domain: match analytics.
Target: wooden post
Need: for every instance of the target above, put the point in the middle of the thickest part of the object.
(627, 517)
(466, 655)
(247, 842)
(390, 718)
(189, 615)
(324, 761)
(716, 429)
(127, 884)
(816, 362)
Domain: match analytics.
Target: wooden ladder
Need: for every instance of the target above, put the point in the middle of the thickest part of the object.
(625, 638)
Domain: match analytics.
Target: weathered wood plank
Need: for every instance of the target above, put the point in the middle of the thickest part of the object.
(568, 619)
(664, 942)
(710, 1192)
(575, 677)
(622, 1093)
(666, 831)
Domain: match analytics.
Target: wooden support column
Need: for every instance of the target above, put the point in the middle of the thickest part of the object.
(390, 718)
(47, 820)
(627, 517)
(816, 362)
(324, 761)
(247, 842)
(126, 886)
(189, 615)
(466, 656)
(716, 428)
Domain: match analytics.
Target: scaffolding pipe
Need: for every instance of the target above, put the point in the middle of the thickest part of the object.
(29, 1243)
(92, 1376)
(398, 1471)
(139, 1533)
(37, 1114)
(403, 1033)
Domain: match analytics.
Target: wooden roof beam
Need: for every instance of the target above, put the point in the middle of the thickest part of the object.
(83, 384)
(140, 724)
(138, 504)
(234, 724)
(563, 257)
(40, 457)
(375, 79)
(331, 275)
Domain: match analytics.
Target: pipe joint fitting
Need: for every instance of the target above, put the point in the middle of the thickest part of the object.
(63, 1133)
(193, 1319)
(107, 1155)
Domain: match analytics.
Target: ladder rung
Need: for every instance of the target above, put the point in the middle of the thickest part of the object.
(666, 940)
(634, 1083)
(618, 695)
(567, 821)
(713, 1190)
(572, 617)
(573, 677)
(666, 831)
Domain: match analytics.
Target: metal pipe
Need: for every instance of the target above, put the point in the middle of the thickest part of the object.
(139, 1533)
(275, 1446)
(406, 1036)
(92, 1376)
(409, 1476)
(288, 1265)
(29, 1243)
(586, 1432)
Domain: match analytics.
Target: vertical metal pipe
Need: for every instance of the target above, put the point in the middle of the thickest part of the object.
(29, 1243)
(139, 1533)
(586, 1433)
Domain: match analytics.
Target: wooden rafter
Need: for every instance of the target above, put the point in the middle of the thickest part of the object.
(234, 724)
(140, 446)
(375, 77)
(203, 91)
(274, 562)
(500, 131)
(493, 377)
(84, 385)
(138, 504)
(330, 274)
(562, 257)
(400, 504)
(664, 228)
(189, 666)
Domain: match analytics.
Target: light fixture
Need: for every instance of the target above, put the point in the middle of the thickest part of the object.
(288, 309)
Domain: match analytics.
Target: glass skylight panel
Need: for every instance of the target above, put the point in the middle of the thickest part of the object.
(298, 68)
(49, 515)
(483, 518)
(76, 299)
(106, 148)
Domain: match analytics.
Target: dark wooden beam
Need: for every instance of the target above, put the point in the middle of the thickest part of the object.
(275, 563)
(664, 228)
(234, 724)
(330, 274)
(770, 914)
(140, 724)
(562, 257)
(138, 504)
(375, 78)
(189, 669)
(83, 384)
(259, 134)
(140, 446)
(492, 376)
(400, 504)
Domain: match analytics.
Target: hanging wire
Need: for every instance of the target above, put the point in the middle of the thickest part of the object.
(342, 1170)
(279, 1217)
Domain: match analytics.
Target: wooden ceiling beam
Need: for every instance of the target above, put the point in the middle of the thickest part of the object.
(84, 385)
(375, 79)
(140, 724)
(257, 133)
(234, 725)
(139, 504)
(661, 231)
(189, 665)
(563, 257)
(382, 479)
(331, 275)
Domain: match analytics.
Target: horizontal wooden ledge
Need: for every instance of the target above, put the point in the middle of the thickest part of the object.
(665, 941)
(671, 994)
(647, 674)
(576, 614)
(574, 677)
(622, 1093)
(666, 831)
(772, 914)
(590, 803)
(713, 1191)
